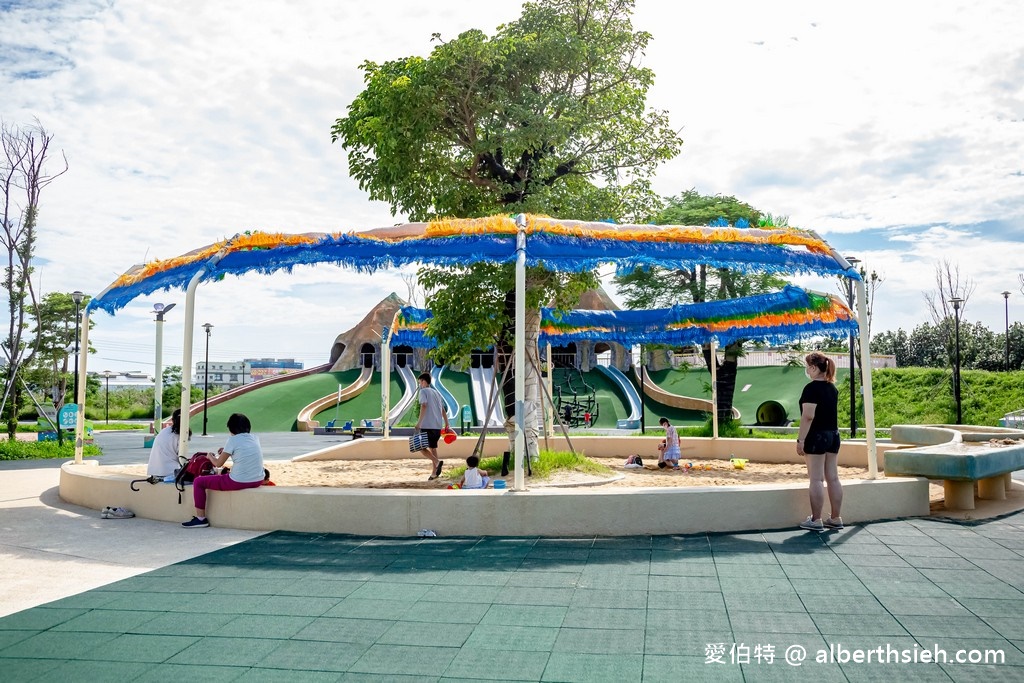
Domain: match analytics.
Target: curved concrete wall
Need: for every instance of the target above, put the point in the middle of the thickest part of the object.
(536, 512)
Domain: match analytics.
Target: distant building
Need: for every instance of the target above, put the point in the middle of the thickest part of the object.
(124, 380)
(270, 367)
(223, 375)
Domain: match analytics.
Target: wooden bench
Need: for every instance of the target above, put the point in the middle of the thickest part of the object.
(960, 464)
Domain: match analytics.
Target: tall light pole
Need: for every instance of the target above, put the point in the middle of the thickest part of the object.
(1006, 305)
(106, 412)
(853, 261)
(956, 301)
(158, 377)
(77, 297)
(206, 374)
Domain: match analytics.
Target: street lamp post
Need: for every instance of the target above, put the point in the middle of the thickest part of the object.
(956, 301)
(77, 297)
(206, 374)
(158, 377)
(106, 411)
(853, 261)
(1006, 305)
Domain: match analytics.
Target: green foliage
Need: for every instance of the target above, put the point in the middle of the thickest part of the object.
(933, 346)
(925, 396)
(31, 450)
(548, 115)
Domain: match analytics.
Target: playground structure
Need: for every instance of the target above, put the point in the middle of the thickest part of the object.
(575, 401)
(559, 245)
(305, 422)
(627, 389)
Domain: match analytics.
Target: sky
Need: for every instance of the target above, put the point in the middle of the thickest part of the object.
(894, 130)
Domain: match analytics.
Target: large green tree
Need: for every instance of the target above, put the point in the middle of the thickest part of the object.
(659, 287)
(548, 115)
(54, 334)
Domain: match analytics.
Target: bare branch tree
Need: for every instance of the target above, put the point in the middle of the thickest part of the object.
(22, 180)
(949, 285)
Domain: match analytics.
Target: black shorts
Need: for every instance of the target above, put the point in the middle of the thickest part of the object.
(434, 437)
(819, 443)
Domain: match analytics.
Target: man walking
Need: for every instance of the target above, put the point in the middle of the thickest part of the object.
(433, 417)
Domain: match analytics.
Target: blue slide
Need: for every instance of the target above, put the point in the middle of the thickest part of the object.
(629, 392)
(451, 405)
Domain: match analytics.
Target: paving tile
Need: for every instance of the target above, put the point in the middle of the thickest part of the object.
(321, 588)
(752, 584)
(423, 634)
(39, 618)
(526, 615)
(112, 671)
(600, 641)
(947, 625)
(659, 668)
(686, 600)
(310, 655)
(763, 571)
(10, 637)
(777, 644)
(182, 624)
(960, 576)
(89, 600)
(999, 650)
(225, 604)
(132, 647)
(897, 605)
(842, 604)
(402, 592)
(31, 669)
(989, 589)
(405, 659)
(601, 617)
(684, 568)
(976, 673)
(340, 630)
(47, 644)
(263, 626)
(224, 651)
(683, 583)
(117, 621)
(571, 667)
(956, 562)
(778, 670)
(523, 595)
(447, 612)
(678, 643)
(454, 593)
(768, 622)
(534, 579)
(665, 621)
(413, 575)
(585, 597)
(766, 602)
(512, 638)
(892, 560)
(605, 581)
(370, 609)
(988, 607)
(465, 577)
(497, 665)
(868, 673)
(931, 550)
(809, 571)
(1008, 627)
(858, 624)
(846, 587)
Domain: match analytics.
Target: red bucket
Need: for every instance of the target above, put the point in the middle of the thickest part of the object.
(449, 436)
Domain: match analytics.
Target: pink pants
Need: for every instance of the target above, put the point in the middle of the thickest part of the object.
(217, 482)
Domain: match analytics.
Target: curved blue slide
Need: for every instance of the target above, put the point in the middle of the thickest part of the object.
(631, 394)
(451, 405)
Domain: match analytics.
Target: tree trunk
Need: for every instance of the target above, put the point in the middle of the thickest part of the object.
(531, 398)
(725, 372)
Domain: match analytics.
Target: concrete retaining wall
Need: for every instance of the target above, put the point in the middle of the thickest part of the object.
(537, 512)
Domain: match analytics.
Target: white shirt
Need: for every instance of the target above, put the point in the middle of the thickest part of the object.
(474, 479)
(246, 458)
(163, 458)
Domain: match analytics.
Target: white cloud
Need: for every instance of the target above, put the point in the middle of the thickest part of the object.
(185, 123)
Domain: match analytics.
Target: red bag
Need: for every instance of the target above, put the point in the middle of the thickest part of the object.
(197, 466)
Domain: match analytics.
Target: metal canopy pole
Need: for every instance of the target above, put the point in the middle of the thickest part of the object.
(865, 380)
(520, 352)
(714, 390)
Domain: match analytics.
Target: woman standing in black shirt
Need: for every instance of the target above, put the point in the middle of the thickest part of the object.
(819, 440)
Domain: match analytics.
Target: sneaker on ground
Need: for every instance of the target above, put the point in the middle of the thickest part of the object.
(812, 525)
(196, 523)
(833, 522)
(117, 513)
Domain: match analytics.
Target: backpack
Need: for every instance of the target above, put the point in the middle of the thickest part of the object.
(196, 466)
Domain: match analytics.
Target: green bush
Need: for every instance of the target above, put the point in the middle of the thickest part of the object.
(32, 450)
(549, 463)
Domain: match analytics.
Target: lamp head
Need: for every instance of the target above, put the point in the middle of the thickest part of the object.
(77, 297)
(852, 260)
(1006, 294)
(956, 301)
(207, 327)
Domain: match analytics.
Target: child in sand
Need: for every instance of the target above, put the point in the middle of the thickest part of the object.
(474, 477)
(668, 455)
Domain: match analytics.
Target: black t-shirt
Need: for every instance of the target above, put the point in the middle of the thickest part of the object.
(825, 397)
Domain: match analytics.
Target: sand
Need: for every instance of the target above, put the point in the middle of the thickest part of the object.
(412, 474)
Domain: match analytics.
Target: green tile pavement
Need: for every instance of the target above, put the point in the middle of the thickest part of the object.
(715, 607)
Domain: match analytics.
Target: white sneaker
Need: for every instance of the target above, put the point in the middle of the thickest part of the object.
(812, 525)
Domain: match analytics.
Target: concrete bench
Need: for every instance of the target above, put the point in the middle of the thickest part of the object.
(961, 462)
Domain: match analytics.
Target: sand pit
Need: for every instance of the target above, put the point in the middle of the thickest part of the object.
(412, 474)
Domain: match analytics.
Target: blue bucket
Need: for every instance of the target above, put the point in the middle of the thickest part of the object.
(499, 483)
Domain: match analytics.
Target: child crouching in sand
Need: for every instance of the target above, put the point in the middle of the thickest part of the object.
(474, 477)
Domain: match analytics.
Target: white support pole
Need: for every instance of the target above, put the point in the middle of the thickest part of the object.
(865, 380)
(520, 352)
(549, 410)
(186, 362)
(158, 379)
(83, 354)
(385, 376)
(714, 389)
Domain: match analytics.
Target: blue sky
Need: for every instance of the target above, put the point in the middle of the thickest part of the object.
(894, 130)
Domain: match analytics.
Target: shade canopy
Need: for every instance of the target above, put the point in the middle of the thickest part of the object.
(556, 244)
(784, 316)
